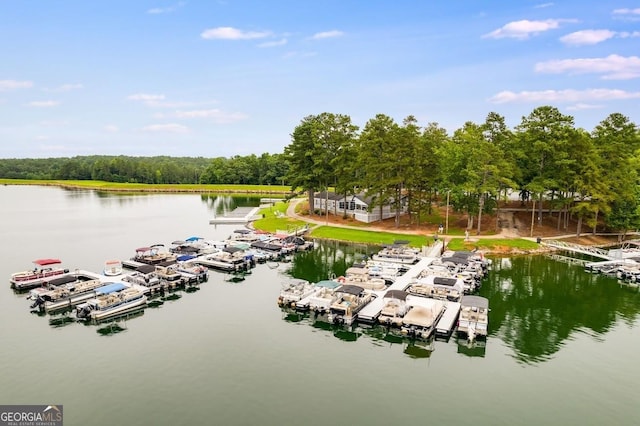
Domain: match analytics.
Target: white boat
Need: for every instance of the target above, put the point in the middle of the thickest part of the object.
(399, 252)
(322, 298)
(361, 277)
(394, 309)
(230, 259)
(43, 271)
(112, 304)
(112, 268)
(349, 300)
(67, 295)
(422, 316)
(153, 254)
(293, 291)
(443, 288)
(474, 317)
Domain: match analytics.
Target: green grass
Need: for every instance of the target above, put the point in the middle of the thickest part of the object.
(274, 219)
(492, 244)
(366, 237)
(141, 187)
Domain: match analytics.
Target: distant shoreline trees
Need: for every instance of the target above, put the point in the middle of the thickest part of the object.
(588, 176)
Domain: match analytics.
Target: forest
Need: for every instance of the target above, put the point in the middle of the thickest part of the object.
(588, 176)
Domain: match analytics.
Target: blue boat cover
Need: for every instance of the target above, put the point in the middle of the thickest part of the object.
(110, 288)
(185, 257)
(190, 239)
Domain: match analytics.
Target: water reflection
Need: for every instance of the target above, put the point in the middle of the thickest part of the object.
(537, 304)
(477, 348)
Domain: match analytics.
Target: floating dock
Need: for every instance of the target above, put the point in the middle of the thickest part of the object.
(444, 328)
(371, 312)
(239, 215)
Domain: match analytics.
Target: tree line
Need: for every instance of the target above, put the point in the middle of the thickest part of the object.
(266, 169)
(580, 175)
(589, 176)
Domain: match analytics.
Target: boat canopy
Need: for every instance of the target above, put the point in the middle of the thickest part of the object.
(327, 284)
(232, 249)
(185, 257)
(190, 239)
(446, 281)
(45, 262)
(110, 288)
(145, 269)
(475, 301)
(401, 242)
(143, 249)
(350, 289)
(242, 231)
(178, 242)
(396, 294)
(66, 279)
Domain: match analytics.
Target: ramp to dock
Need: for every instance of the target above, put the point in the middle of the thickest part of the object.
(239, 215)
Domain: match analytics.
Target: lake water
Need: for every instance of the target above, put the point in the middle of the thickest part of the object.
(562, 350)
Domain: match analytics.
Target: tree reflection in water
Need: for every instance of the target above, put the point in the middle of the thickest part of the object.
(537, 304)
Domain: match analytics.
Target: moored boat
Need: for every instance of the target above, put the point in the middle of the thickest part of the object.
(394, 309)
(349, 300)
(112, 268)
(422, 316)
(43, 270)
(293, 291)
(112, 304)
(399, 252)
(68, 295)
(474, 317)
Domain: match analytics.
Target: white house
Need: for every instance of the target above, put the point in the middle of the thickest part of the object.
(356, 206)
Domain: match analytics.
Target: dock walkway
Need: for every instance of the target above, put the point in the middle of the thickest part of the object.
(239, 215)
(371, 312)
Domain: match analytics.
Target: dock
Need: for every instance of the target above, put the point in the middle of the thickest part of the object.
(371, 312)
(447, 321)
(240, 215)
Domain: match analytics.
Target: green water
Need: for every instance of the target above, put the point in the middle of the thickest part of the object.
(562, 350)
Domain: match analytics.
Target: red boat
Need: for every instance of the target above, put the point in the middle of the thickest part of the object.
(43, 270)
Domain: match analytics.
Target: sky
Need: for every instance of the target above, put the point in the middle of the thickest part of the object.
(235, 77)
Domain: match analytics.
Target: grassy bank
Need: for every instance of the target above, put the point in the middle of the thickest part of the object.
(142, 187)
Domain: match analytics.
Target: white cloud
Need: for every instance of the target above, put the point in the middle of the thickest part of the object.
(627, 11)
(43, 104)
(613, 67)
(111, 128)
(216, 115)
(563, 96)
(521, 30)
(582, 106)
(168, 9)
(543, 5)
(14, 84)
(157, 101)
(230, 33)
(583, 37)
(166, 128)
(327, 34)
(275, 43)
(586, 37)
(145, 97)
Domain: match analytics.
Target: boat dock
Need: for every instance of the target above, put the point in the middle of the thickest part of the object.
(371, 312)
(447, 321)
(240, 215)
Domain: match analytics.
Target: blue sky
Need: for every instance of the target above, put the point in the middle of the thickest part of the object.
(234, 77)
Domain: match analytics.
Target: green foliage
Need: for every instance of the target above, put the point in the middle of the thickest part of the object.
(367, 237)
(492, 244)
